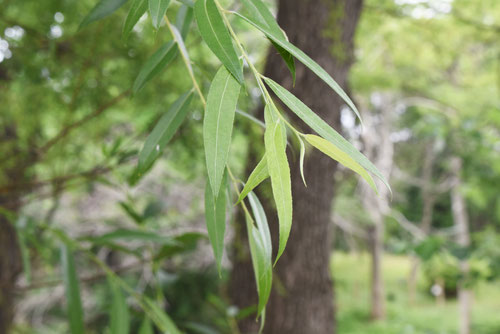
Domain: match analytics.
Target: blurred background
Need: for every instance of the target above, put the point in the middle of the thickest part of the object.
(425, 258)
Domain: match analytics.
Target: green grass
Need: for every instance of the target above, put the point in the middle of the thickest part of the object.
(352, 279)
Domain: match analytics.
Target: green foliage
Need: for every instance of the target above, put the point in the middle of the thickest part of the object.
(72, 289)
(157, 9)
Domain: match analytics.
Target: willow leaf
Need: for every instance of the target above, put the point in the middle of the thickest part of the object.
(215, 216)
(137, 9)
(146, 327)
(259, 174)
(323, 129)
(304, 59)
(72, 287)
(338, 155)
(120, 316)
(260, 13)
(218, 125)
(101, 10)
(164, 131)
(159, 317)
(155, 64)
(302, 157)
(216, 36)
(261, 251)
(279, 171)
(158, 8)
(184, 19)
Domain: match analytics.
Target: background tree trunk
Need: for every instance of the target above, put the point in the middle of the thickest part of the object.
(302, 298)
(379, 148)
(10, 254)
(461, 222)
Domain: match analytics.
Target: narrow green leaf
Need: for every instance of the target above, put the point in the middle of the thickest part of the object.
(260, 13)
(304, 59)
(261, 251)
(218, 125)
(146, 327)
(216, 36)
(189, 3)
(101, 10)
(259, 174)
(302, 157)
(138, 8)
(338, 155)
(155, 64)
(158, 8)
(159, 317)
(215, 216)
(280, 177)
(184, 19)
(251, 118)
(119, 314)
(164, 131)
(72, 288)
(323, 129)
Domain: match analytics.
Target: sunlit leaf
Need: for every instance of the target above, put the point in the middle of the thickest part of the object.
(218, 125)
(323, 129)
(158, 8)
(155, 64)
(119, 314)
(215, 34)
(338, 155)
(259, 174)
(137, 9)
(279, 170)
(304, 59)
(164, 131)
(215, 216)
(302, 157)
(101, 10)
(72, 288)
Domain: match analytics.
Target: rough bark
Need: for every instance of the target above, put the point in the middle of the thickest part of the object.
(461, 221)
(302, 298)
(379, 148)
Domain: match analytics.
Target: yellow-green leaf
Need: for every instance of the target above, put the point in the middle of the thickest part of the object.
(338, 155)
(279, 170)
(323, 129)
(259, 174)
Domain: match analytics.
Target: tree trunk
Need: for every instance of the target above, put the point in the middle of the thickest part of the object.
(379, 148)
(461, 222)
(302, 298)
(428, 199)
(10, 254)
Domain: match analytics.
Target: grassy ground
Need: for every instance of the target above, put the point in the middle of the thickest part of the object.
(351, 274)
